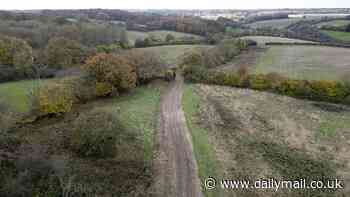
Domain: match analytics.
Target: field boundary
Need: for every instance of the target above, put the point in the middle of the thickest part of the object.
(308, 44)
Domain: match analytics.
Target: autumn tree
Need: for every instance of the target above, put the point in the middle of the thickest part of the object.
(17, 53)
(64, 53)
(149, 65)
(111, 69)
(169, 38)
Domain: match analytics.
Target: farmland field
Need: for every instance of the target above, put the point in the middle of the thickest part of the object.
(339, 35)
(334, 23)
(267, 39)
(258, 134)
(172, 54)
(134, 35)
(278, 23)
(305, 62)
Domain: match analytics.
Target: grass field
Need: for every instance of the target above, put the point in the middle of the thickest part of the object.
(339, 35)
(305, 62)
(259, 135)
(172, 54)
(133, 35)
(278, 23)
(15, 94)
(267, 39)
(334, 23)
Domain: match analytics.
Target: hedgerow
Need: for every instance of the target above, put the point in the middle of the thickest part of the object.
(323, 90)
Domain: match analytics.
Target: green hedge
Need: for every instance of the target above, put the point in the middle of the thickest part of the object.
(323, 90)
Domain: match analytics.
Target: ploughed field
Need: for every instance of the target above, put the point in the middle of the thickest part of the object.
(258, 135)
(305, 62)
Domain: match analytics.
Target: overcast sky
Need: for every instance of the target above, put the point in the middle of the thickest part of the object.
(171, 4)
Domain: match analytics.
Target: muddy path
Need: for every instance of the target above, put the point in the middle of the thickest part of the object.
(175, 166)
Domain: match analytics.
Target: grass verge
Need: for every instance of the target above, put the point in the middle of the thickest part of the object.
(203, 150)
(137, 112)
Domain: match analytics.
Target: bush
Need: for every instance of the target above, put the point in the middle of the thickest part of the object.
(82, 88)
(295, 88)
(54, 98)
(328, 90)
(259, 82)
(6, 119)
(195, 73)
(113, 69)
(33, 175)
(170, 75)
(103, 89)
(275, 79)
(231, 79)
(192, 58)
(95, 134)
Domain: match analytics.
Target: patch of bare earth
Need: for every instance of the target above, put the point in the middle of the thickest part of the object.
(175, 166)
(259, 135)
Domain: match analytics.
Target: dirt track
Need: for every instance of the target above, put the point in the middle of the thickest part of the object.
(175, 165)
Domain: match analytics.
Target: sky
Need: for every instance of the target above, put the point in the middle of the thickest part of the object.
(171, 4)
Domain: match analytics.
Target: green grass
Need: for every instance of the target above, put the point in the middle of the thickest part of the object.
(15, 94)
(172, 54)
(137, 112)
(339, 35)
(304, 62)
(333, 125)
(277, 23)
(204, 152)
(334, 23)
(133, 35)
(268, 39)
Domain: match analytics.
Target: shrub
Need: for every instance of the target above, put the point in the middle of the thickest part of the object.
(95, 133)
(82, 88)
(295, 88)
(54, 98)
(192, 58)
(328, 90)
(33, 175)
(103, 89)
(170, 75)
(6, 119)
(231, 79)
(113, 69)
(275, 79)
(229, 48)
(195, 73)
(169, 38)
(259, 82)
